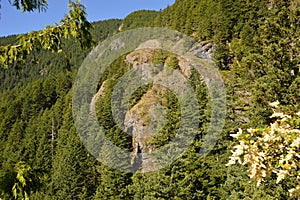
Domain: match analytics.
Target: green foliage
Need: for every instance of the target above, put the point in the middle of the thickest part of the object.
(271, 150)
(141, 18)
(34, 124)
(74, 25)
(172, 62)
(71, 163)
(18, 190)
(159, 57)
(30, 5)
(256, 48)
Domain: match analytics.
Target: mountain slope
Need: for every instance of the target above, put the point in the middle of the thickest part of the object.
(256, 47)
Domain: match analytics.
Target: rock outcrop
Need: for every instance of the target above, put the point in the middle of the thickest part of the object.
(144, 120)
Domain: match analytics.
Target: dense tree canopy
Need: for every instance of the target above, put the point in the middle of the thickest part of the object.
(256, 47)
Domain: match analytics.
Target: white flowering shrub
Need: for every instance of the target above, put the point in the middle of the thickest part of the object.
(275, 149)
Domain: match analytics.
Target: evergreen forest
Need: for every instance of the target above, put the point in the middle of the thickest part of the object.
(255, 47)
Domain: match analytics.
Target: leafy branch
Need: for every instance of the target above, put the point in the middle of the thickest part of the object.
(271, 150)
(30, 5)
(74, 25)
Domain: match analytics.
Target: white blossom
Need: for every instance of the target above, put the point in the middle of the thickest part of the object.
(280, 115)
(296, 142)
(250, 130)
(281, 174)
(237, 134)
(274, 104)
(281, 139)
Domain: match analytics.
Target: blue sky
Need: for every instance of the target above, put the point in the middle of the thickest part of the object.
(13, 21)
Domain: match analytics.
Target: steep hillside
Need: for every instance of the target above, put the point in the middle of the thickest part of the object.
(138, 19)
(46, 63)
(255, 45)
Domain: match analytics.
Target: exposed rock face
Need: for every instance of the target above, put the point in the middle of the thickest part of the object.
(184, 67)
(204, 50)
(139, 57)
(121, 27)
(150, 44)
(144, 120)
(97, 95)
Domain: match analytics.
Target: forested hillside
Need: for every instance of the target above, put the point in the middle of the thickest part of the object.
(256, 47)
